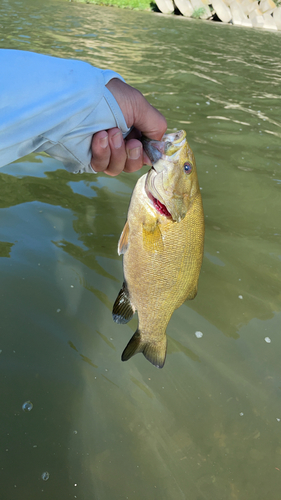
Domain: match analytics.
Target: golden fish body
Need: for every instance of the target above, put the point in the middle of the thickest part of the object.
(162, 243)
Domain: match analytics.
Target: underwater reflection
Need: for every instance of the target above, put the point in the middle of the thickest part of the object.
(228, 276)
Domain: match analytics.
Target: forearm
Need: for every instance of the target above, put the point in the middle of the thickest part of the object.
(53, 105)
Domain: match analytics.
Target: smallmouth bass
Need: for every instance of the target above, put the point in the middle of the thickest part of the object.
(162, 245)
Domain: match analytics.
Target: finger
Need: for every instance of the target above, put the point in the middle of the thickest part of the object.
(118, 152)
(149, 120)
(137, 110)
(135, 158)
(100, 151)
(136, 134)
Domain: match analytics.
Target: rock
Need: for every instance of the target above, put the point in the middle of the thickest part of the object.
(253, 6)
(165, 6)
(277, 17)
(255, 13)
(247, 23)
(237, 13)
(184, 7)
(247, 6)
(222, 11)
(266, 5)
(269, 22)
(257, 21)
(203, 10)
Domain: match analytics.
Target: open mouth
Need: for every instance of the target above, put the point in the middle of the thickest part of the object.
(160, 207)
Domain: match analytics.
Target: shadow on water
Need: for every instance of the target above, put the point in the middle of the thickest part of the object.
(95, 221)
(98, 222)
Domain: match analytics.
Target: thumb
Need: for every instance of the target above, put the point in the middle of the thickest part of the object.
(148, 119)
(137, 111)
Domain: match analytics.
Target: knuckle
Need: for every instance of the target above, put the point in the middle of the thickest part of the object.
(133, 165)
(100, 160)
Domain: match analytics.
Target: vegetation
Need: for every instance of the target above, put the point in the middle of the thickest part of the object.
(196, 14)
(125, 4)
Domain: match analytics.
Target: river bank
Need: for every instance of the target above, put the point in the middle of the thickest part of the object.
(248, 13)
(124, 4)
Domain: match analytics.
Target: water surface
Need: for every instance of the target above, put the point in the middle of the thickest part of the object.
(208, 425)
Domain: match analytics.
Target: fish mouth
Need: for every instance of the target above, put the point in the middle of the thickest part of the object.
(167, 147)
(158, 205)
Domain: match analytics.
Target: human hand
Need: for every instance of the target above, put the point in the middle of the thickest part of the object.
(112, 154)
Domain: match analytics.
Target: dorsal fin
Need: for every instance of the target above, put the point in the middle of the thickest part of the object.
(123, 240)
(123, 310)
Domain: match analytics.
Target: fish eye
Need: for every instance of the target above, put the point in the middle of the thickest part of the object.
(187, 168)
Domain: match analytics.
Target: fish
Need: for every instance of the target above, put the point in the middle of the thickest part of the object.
(162, 245)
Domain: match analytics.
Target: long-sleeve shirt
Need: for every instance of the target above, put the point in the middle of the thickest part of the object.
(54, 105)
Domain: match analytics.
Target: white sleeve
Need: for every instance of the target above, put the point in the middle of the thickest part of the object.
(54, 105)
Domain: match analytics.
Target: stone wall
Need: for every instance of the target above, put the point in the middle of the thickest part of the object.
(250, 13)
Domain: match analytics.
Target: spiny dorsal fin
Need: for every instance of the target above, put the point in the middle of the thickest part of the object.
(154, 351)
(152, 238)
(123, 240)
(123, 310)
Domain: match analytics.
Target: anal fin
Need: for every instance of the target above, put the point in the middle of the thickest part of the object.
(123, 310)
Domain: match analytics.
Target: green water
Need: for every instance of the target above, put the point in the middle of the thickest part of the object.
(207, 426)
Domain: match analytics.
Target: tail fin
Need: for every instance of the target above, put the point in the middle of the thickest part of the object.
(154, 351)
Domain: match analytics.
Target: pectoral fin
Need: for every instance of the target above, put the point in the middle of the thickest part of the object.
(123, 240)
(123, 310)
(152, 238)
(155, 351)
